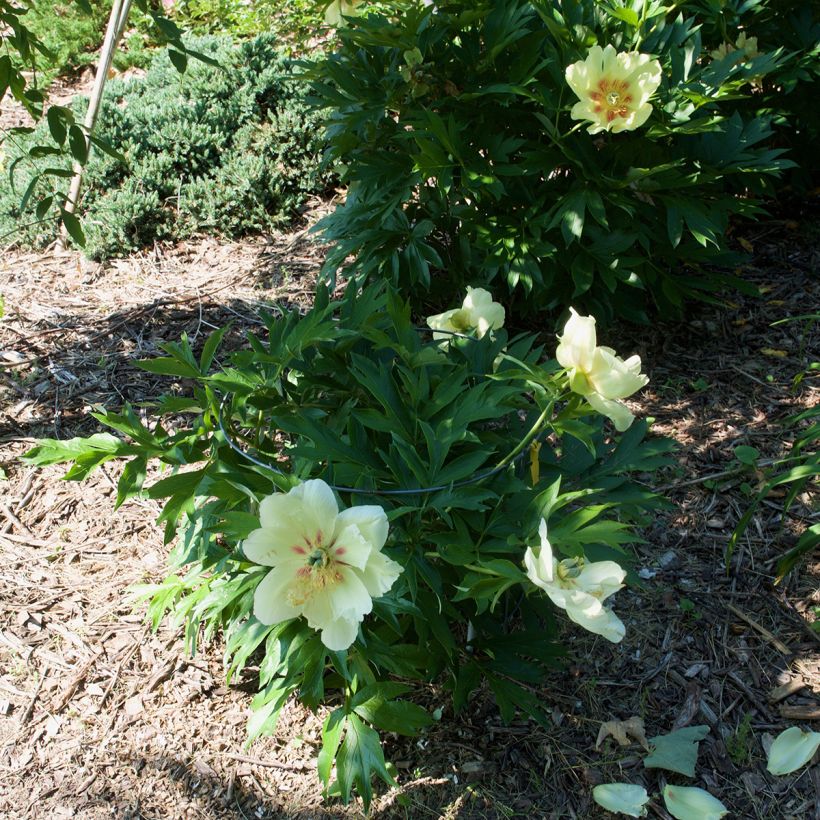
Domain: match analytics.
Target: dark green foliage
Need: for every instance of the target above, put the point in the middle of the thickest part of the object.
(226, 150)
(452, 130)
(790, 94)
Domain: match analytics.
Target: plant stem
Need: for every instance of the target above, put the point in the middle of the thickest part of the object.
(533, 432)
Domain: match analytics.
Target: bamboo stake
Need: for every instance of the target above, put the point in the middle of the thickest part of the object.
(116, 26)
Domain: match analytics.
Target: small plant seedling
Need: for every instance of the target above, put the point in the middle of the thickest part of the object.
(739, 744)
(687, 607)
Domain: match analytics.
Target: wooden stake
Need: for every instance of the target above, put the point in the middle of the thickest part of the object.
(116, 26)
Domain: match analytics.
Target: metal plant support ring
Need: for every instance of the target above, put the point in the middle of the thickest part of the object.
(505, 463)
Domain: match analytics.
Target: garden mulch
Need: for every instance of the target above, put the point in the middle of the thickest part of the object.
(99, 717)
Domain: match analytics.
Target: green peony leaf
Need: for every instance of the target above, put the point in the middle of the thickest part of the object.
(677, 751)
(359, 758)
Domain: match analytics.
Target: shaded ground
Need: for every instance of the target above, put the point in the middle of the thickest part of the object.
(99, 718)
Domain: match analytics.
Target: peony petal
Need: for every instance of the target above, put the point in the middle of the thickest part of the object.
(692, 803)
(583, 110)
(380, 574)
(588, 612)
(270, 600)
(601, 579)
(576, 346)
(541, 566)
(318, 609)
(546, 558)
(632, 364)
(349, 597)
(484, 313)
(535, 570)
(612, 378)
(595, 62)
(350, 548)
(635, 120)
(273, 509)
(560, 596)
(442, 321)
(338, 635)
(648, 79)
(611, 64)
(276, 545)
(532, 569)
(792, 749)
(622, 798)
(491, 319)
(620, 415)
(477, 299)
(577, 77)
(371, 521)
(315, 508)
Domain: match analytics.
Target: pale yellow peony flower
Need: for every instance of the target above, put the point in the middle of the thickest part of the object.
(613, 88)
(745, 46)
(598, 373)
(327, 565)
(478, 313)
(578, 586)
(339, 9)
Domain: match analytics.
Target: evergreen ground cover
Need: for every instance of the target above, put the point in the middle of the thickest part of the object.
(73, 37)
(224, 150)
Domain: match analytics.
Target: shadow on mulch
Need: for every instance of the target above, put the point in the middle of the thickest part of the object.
(73, 329)
(80, 368)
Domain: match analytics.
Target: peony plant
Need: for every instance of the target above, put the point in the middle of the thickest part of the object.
(382, 519)
(558, 152)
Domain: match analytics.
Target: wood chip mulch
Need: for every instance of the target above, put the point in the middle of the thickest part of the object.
(101, 718)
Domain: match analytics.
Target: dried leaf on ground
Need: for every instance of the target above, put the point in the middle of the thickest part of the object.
(624, 731)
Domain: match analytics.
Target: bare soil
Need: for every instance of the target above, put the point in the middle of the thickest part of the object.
(101, 718)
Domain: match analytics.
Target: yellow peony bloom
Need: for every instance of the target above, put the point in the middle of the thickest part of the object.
(745, 46)
(478, 313)
(613, 88)
(327, 565)
(339, 9)
(597, 373)
(578, 587)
